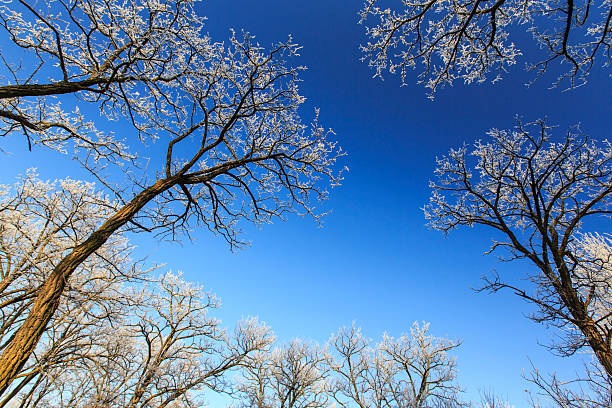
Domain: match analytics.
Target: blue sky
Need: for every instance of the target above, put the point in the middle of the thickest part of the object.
(374, 261)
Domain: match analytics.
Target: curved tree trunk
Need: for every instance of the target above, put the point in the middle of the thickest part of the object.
(579, 311)
(27, 336)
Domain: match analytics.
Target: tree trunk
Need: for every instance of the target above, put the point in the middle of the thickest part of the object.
(584, 322)
(599, 346)
(27, 336)
(57, 88)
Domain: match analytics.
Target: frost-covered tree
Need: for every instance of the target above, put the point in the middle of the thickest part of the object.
(165, 351)
(412, 371)
(118, 337)
(229, 142)
(293, 375)
(40, 222)
(475, 40)
(538, 192)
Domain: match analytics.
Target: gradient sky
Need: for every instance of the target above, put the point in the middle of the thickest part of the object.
(374, 261)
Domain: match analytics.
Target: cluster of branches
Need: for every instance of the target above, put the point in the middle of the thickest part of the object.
(471, 39)
(589, 390)
(538, 192)
(122, 338)
(234, 146)
(415, 370)
(119, 337)
(165, 351)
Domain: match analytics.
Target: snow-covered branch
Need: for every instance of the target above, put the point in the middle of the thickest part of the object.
(475, 40)
(537, 191)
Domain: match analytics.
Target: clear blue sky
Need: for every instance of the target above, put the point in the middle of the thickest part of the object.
(374, 261)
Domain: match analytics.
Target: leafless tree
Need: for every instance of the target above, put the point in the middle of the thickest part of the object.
(413, 371)
(538, 192)
(233, 143)
(39, 223)
(589, 390)
(167, 351)
(471, 40)
(290, 376)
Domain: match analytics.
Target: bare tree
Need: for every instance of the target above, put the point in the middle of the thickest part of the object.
(413, 371)
(40, 222)
(290, 376)
(166, 351)
(234, 145)
(489, 399)
(538, 192)
(472, 40)
(589, 390)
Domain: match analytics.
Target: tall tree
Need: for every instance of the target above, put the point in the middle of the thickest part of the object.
(40, 222)
(119, 337)
(538, 192)
(234, 146)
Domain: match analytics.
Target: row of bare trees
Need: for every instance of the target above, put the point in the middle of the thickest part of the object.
(123, 337)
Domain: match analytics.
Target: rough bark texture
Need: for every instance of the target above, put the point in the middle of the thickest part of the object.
(57, 88)
(587, 326)
(27, 336)
(579, 311)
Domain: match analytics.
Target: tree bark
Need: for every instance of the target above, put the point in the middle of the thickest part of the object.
(589, 329)
(27, 336)
(57, 88)
(579, 311)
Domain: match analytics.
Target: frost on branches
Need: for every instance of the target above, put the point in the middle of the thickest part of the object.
(538, 191)
(589, 390)
(234, 145)
(118, 337)
(39, 223)
(594, 274)
(294, 375)
(165, 351)
(230, 144)
(474, 40)
(414, 370)
(121, 337)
